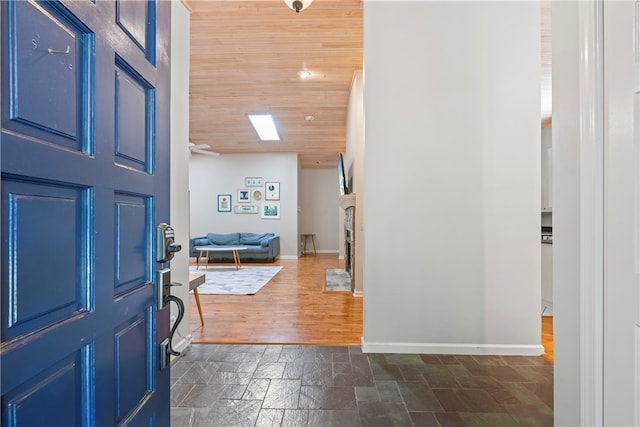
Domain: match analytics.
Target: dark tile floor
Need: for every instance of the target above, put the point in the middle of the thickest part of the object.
(275, 385)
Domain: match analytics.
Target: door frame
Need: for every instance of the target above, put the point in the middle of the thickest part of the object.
(591, 304)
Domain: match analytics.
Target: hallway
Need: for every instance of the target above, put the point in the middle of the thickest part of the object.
(322, 386)
(290, 356)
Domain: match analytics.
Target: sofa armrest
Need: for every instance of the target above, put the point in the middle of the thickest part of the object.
(192, 252)
(274, 247)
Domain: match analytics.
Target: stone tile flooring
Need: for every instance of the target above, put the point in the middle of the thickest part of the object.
(275, 385)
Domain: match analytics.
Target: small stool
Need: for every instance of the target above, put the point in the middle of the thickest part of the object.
(313, 241)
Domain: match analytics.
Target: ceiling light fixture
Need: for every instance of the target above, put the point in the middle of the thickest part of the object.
(303, 74)
(298, 5)
(264, 126)
(309, 118)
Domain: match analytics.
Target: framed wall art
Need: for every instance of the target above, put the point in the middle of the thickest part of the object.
(224, 202)
(244, 195)
(253, 181)
(272, 191)
(271, 210)
(245, 209)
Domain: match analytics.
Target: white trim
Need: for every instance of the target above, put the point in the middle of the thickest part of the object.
(288, 257)
(358, 294)
(326, 251)
(637, 391)
(183, 344)
(448, 348)
(591, 77)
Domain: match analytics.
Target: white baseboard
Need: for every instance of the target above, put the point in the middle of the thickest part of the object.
(358, 294)
(288, 256)
(327, 251)
(436, 348)
(340, 256)
(183, 344)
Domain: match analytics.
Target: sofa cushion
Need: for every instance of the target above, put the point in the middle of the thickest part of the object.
(224, 239)
(250, 239)
(201, 242)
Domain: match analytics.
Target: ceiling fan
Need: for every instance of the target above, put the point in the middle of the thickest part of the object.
(202, 149)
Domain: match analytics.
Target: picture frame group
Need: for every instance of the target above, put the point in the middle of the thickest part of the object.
(257, 196)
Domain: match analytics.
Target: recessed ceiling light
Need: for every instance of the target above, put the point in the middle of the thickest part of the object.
(264, 125)
(309, 118)
(304, 74)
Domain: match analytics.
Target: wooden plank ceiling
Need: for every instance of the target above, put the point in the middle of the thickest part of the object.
(245, 58)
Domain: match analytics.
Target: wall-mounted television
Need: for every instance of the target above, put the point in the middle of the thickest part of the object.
(342, 178)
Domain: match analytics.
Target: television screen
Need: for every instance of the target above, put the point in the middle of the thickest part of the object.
(342, 179)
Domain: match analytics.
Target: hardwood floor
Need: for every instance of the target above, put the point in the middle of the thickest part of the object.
(547, 338)
(293, 308)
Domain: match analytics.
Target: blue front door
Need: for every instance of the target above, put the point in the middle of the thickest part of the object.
(85, 165)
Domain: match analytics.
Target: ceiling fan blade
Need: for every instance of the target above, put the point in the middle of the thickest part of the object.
(205, 152)
(193, 146)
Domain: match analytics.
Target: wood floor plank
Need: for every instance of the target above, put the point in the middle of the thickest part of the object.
(547, 338)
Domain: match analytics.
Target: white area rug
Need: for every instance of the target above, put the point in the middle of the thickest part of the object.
(227, 281)
(337, 280)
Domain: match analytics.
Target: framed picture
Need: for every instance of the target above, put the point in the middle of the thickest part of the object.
(253, 181)
(224, 202)
(244, 195)
(271, 210)
(272, 191)
(245, 209)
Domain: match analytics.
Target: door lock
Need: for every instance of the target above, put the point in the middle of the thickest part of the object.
(166, 246)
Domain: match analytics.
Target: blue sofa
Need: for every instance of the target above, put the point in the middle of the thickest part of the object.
(260, 247)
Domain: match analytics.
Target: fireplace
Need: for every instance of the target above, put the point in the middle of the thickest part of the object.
(348, 241)
(348, 203)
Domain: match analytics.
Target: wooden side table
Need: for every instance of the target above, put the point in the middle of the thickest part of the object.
(306, 237)
(195, 280)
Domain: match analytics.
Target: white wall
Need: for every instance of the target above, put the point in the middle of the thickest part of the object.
(180, 162)
(225, 174)
(318, 208)
(547, 220)
(547, 175)
(566, 206)
(452, 172)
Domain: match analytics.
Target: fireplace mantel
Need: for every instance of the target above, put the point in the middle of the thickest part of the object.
(347, 201)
